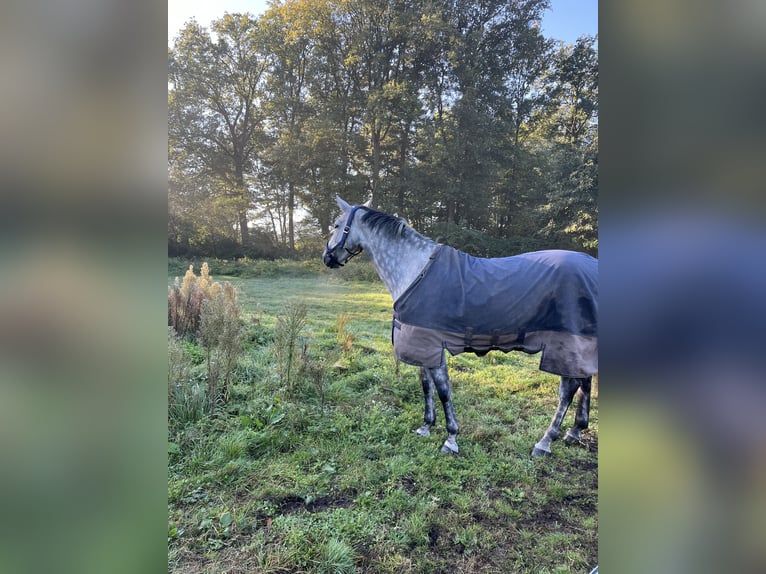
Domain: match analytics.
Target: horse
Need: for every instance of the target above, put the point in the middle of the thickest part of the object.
(444, 299)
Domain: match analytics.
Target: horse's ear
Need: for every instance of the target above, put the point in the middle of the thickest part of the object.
(345, 207)
(367, 203)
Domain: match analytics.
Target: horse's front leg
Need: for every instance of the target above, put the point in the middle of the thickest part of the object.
(429, 416)
(567, 388)
(440, 378)
(582, 414)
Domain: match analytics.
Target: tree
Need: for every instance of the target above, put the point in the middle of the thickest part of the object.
(492, 53)
(570, 128)
(289, 36)
(214, 118)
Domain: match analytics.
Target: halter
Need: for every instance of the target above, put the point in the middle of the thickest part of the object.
(330, 259)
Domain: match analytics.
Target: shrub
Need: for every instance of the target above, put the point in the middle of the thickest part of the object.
(316, 373)
(481, 244)
(208, 309)
(360, 269)
(185, 299)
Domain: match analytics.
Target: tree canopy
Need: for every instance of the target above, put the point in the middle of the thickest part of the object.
(455, 114)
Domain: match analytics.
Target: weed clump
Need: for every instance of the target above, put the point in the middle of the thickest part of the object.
(287, 341)
(220, 336)
(337, 557)
(208, 310)
(185, 300)
(344, 338)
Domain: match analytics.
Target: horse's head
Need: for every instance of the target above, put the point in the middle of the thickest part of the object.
(345, 241)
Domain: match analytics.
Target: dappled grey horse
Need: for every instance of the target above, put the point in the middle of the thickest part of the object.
(544, 301)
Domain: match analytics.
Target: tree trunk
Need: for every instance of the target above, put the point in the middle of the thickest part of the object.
(244, 232)
(244, 204)
(403, 144)
(513, 183)
(274, 231)
(325, 220)
(375, 167)
(290, 215)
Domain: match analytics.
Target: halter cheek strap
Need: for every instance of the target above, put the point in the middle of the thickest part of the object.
(331, 260)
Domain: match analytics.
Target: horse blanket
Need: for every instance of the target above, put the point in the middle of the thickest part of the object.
(542, 301)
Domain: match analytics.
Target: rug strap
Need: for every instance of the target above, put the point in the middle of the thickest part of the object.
(395, 324)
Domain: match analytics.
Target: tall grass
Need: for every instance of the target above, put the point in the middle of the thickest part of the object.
(187, 399)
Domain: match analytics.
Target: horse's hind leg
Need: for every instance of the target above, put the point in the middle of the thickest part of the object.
(582, 413)
(429, 416)
(567, 389)
(440, 378)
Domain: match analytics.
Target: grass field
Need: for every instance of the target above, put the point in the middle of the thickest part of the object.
(328, 476)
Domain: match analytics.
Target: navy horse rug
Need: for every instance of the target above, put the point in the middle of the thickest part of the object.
(546, 301)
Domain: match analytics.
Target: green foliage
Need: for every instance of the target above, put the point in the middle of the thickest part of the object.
(193, 351)
(573, 199)
(482, 244)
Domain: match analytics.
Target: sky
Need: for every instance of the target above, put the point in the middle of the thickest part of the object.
(566, 20)
(569, 19)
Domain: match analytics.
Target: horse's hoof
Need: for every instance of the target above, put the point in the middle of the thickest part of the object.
(540, 452)
(450, 446)
(570, 438)
(448, 450)
(423, 431)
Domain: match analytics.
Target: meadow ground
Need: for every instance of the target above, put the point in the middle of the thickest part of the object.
(325, 473)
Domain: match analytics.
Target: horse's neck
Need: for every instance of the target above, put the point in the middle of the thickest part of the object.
(398, 261)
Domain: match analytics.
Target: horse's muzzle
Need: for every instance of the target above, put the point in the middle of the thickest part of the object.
(330, 260)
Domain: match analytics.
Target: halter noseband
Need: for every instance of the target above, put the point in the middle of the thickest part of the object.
(330, 259)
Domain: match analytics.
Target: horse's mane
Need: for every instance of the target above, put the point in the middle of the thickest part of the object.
(392, 227)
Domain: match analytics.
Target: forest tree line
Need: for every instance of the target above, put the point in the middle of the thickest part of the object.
(458, 115)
